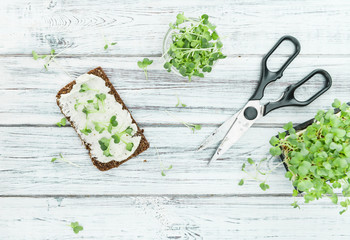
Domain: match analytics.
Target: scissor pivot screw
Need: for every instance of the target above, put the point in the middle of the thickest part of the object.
(250, 113)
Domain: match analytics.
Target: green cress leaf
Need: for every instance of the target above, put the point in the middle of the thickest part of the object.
(295, 192)
(336, 147)
(264, 186)
(62, 122)
(347, 151)
(295, 205)
(101, 96)
(334, 198)
(243, 167)
(76, 227)
(53, 159)
(98, 127)
(116, 138)
(84, 87)
(85, 131)
(275, 151)
(104, 143)
(129, 146)
(197, 127)
(241, 182)
(288, 126)
(336, 103)
(274, 141)
(109, 129)
(35, 55)
(128, 130)
(250, 161)
(113, 121)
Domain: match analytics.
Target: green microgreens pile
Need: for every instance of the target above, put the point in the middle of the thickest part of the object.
(318, 158)
(195, 46)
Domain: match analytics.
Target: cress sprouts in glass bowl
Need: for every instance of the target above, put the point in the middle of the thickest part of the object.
(191, 46)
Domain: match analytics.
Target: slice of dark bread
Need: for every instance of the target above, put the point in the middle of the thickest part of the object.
(144, 145)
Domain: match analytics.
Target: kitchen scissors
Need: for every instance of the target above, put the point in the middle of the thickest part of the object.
(239, 123)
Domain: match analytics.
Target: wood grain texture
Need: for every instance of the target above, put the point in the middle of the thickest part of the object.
(29, 98)
(139, 26)
(169, 218)
(176, 146)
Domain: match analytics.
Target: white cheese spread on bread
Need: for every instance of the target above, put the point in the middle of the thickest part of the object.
(100, 120)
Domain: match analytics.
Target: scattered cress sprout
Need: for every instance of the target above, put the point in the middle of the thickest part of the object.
(179, 103)
(76, 227)
(191, 126)
(317, 158)
(107, 43)
(61, 158)
(144, 64)
(62, 122)
(195, 46)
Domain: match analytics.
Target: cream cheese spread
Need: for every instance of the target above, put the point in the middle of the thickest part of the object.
(100, 119)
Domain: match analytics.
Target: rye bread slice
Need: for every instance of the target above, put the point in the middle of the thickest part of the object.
(144, 145)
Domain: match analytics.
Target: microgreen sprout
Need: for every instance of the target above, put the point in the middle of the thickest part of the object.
(179, 103)
(61, 158)
(77, 104)
(317, 157)
(49, 58)
(129, 146)
(195, 46)
(62, 122)
(144, 64)
(76, 227)
(105, 144)
(101, 98)
(107, 43)
(191, 126)
(84, 88)
(163, 169)
(99, 126)
(117, 137)
(86, 130)
(88, 111)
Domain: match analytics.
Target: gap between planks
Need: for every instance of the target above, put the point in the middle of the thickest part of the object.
(327, 55)
(256, 125)
(272, 195)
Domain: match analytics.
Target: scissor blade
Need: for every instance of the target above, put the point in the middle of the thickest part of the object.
(214, 136)
(240, 126)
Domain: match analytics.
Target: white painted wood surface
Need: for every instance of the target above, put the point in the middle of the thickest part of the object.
(39, 198)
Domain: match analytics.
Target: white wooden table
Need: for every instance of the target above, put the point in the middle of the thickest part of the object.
(38, 199)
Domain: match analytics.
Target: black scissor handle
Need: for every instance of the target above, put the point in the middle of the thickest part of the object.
(288, 98)
(268, 76)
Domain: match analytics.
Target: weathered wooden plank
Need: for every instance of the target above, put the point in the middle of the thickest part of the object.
(26, 152)
(248, 27)
(170, 218)
(28, 96)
